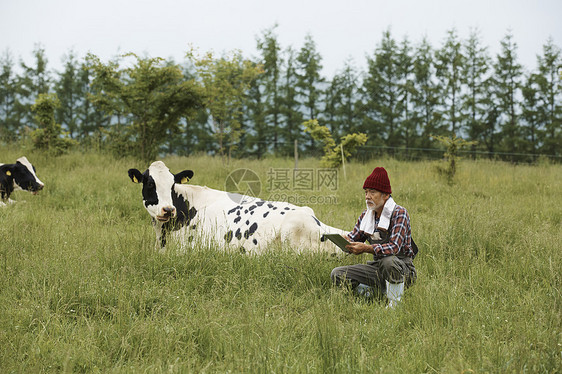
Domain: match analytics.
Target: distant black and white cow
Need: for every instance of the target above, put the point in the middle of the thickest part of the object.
(182, 211)
(20, 176)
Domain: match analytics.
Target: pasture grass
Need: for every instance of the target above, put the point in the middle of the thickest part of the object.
(84, 290)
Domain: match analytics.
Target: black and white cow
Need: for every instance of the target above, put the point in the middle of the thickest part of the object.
(20, 176)
(181, 211)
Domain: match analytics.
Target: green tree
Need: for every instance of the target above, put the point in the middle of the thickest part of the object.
(69, 90)
(35, 80)
(9, 119)
(256, 114)
(449, 66)
(408, 125)
(531, 114)
(310, 80)
(549, 93)
(426, 93)
(490, 132)
(92, 121)
(49, 135)
(270, 81)
(195, 129)
(154, 96)
(290, 106)
(341, 99)
(226, 80)
(475, 103)
(381, 88)
(507, 83)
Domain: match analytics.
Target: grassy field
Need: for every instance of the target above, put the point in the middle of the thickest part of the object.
(83, 290)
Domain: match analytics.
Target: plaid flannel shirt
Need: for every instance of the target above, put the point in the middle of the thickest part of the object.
(400, 242)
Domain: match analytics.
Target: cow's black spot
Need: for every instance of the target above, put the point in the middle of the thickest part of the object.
(246, 211)
(238, 234)
(270, 205)
(149, 194)
(238, 213)
(184, 215)
(265, 214)
(260, 203)
(247, 222)
(192, 213)
(316, 219)
(287, 208)
(228, 236)
(234, 209)
(251, 230)
(274, 208)
(237, 219)
(255, 242)
(193, 227)
(252, 207)
(282, 212)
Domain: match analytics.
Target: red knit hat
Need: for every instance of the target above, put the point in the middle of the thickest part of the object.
(378, 180)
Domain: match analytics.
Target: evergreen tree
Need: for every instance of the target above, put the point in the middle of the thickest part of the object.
(531, 115)
(426, 93)
(70, 94)
(290, 106)
(310, 80)
(272, 62)
(9, 119)
(405, 72)
(549, 93)
(475, 103)
(341, 99)
(92, 122)
(226, 80)
(449, 65)
(256, 114)
(382, 94)
(35, 80)
(507, 82)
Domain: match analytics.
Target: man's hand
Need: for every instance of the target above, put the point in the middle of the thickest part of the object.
(357, 248)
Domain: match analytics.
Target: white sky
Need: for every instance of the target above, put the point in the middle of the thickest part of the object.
(342, 29)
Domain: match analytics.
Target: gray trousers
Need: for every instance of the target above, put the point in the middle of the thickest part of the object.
(375, 273)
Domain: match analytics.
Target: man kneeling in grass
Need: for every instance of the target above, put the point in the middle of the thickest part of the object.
(386, 227)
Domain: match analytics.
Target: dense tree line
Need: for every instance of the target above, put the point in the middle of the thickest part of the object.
(236, 106)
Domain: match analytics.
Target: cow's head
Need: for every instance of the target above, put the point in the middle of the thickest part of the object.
(157, 184)
(24, 176)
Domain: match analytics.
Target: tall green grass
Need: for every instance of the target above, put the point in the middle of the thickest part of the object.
(83, 290)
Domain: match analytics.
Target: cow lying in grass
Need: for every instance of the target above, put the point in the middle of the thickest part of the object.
(20, 176)
(182, 211)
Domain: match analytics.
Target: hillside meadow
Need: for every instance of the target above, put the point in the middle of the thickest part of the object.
(84, 290)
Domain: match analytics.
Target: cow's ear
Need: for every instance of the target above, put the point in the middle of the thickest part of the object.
(183, 177)
(135, 175)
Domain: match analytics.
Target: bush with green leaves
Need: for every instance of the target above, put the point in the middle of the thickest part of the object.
(453, 144)
(49, 135)
(334, 154)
